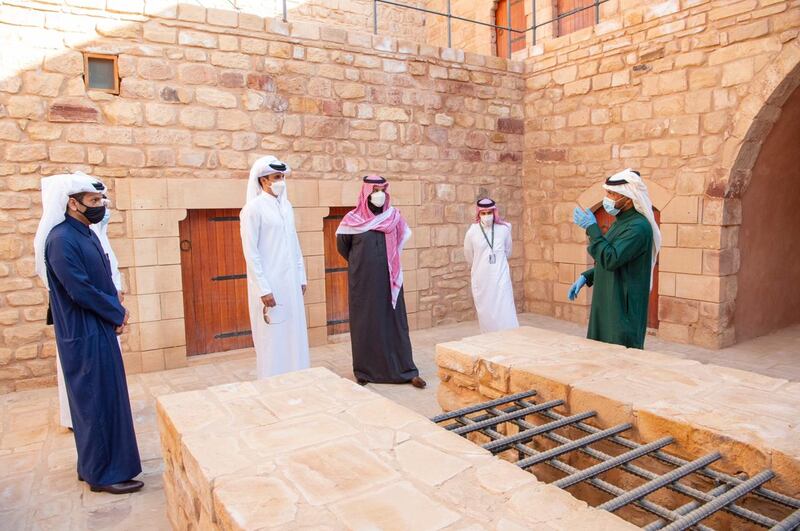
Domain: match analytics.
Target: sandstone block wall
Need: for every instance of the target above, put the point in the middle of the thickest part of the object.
(683, 90)
(202, 95)
(466, 36)
(348, 14)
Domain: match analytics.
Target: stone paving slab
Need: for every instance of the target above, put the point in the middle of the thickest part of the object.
(754, 420)
(314, 450)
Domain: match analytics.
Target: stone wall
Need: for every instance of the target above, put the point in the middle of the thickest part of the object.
(204, 93)
(464, 35)
(349, 14)
(684, 91)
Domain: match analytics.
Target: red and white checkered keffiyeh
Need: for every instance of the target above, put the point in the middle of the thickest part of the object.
(488, 204)
(390, 222)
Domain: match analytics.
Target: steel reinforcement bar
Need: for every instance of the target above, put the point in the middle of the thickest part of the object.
(512, 410)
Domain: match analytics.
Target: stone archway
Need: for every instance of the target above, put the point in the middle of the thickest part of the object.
(768, 297)
(758, 201)
(754, 119)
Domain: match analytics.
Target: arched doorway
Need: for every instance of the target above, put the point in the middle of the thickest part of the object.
(604, 221)
(768, 296)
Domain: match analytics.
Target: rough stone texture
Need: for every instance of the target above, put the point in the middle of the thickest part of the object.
(751, 419)
(234, 459)
(473, 38)
(685, 92)
(203, 94)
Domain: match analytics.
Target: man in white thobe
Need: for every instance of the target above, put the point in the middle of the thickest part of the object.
(101, 229)
(276, 276)
(487, 247)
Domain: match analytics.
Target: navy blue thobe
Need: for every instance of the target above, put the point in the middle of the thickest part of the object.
(86, 313)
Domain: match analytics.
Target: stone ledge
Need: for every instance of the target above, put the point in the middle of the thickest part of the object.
(311, 449)
(752, 419)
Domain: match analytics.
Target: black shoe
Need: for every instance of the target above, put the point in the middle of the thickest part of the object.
(123, 487)
(361, 382)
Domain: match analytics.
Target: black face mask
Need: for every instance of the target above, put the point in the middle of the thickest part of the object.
(94, 214)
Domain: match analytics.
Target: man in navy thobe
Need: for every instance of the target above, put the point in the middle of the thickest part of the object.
(88, 316)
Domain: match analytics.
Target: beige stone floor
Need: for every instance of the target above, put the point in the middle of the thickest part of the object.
(39, 490)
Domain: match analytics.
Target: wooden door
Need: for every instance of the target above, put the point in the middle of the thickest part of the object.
(576, 21)
(336, 291)
(517, 23)
(605, 220)
(214, 282)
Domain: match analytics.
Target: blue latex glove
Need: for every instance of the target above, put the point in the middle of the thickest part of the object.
(576, 287)
(583, 218)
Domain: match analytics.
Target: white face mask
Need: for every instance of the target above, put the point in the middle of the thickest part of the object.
(487, 220)
(378, 199)
(610, 206)
(278, 187)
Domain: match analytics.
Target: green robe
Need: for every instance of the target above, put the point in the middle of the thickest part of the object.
(621, 280)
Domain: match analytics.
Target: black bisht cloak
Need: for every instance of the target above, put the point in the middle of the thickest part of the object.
(379, 333)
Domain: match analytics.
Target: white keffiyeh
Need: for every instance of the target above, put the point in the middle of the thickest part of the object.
(261, 168)
(56, 190)
(635, 189)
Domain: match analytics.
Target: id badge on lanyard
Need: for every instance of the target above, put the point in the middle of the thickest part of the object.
(492, 256)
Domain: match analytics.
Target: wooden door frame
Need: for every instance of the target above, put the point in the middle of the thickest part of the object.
(497, 41)
(197, 340)
(334, 328)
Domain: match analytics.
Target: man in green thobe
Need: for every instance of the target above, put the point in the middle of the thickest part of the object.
(623, 262)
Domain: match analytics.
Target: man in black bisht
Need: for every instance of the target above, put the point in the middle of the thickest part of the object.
(371, 238)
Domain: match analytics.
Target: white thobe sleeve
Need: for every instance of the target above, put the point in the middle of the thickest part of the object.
(250, 229)
(301, 267)
(508, 241)
(469, 253)
(116, 277)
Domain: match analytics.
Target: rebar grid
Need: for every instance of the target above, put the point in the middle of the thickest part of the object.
(488, 417)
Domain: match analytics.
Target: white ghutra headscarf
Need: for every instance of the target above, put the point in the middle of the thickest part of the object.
(56, 190)
(629, 183)
(261, 168)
